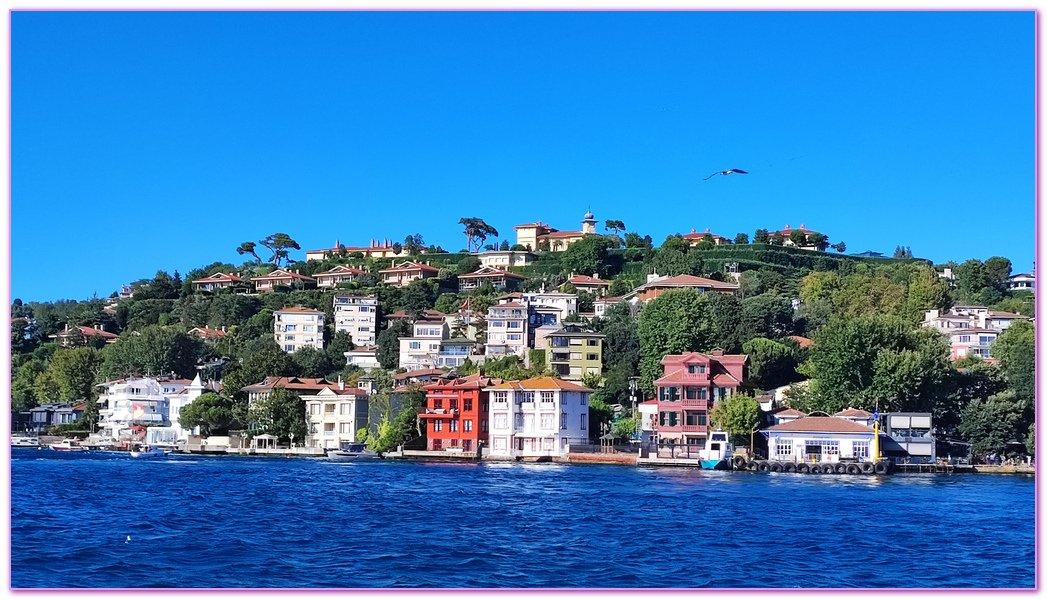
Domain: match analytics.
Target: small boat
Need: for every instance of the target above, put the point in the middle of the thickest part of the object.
(718, 453)
(25, 441)
(353, 452)
(68, 446)
(148, 452)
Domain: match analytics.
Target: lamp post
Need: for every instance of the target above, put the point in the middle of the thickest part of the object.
(633, 386)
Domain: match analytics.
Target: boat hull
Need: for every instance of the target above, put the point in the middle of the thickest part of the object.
(717, 464)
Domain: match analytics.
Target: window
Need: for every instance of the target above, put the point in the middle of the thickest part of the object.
(563, 420)
(289, 338)
(695, 369)
(593, 342)
(831, 447)
(861, 449)
(783, 449)
(345, 428)
(467, 404)
(965, 339)
(438, 425)
(984, 340)
(467, 425)
(347, 408)
(525, 397)
(416, 345)
(547, 444)
(290, 327)
(501, 421)
(592, 356)
(438, 403)
(585, 399)
(499, 443)
(514, 337)
(546, 396)
(691, 393)
(483, 405)
(309, 328)
(288, 348)
(576, 356)
(500, 396)
(674, 419)
(483, 426)
(585, 421)
(548, 419)
(365, 329)
(519, 420)
(497, 324)
(669, 394)
(454, 424)
(314, 409)
(453, 404)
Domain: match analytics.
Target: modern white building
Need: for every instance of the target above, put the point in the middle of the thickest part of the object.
(125, 403)
(365, 357)
(334, 415)
(500, 259)
(507, 329)
(357, 316)
(420, 351)
(537, 417)
(1022, 281)
(298, 327)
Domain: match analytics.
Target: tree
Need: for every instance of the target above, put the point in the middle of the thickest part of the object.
(341, 342)
(777, 239)
(614, 226)
(23, 385)
(771, 364)
(798, 238)
(990, 424)
(818, 240)
(468, 264)
(840, 247)
(761, 237)
(588, 255)
(633, 240)
(278, 244)
(926, 291)
(738, 415)
(673, 323)
(619, 287)
(741, 238)
(248, 248)
(476, 231)
(1030, 440)
(154, 350)
(75, 371)
(1015, 350)
(414, 243)
(765, 315)
(281, 414)
(388, 342)
(998, 271)
(311, 362)
(418, 297)
(210, 412)
(504, 246)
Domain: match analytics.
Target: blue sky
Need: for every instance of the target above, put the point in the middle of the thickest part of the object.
(162, 140)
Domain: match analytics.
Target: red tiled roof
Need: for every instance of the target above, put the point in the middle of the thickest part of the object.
(690, 281)
(89, 331)
(821, 424)
(790, 412)
(204, 332)
(649, 403)
(799, 339)
(341, 269)
(788, 230)
(697, 236)
(719, 378)
(585, 279)
(853, 412)
(611, 300)
(562, 234)
(508, 304)
(218, 277)
(490, 272)
(999, 314)
(281, 274)
(302, 384)
(428, 314)
(299, 309)
(541, 383)
(476, 380)
(418, 373)
(409, 265)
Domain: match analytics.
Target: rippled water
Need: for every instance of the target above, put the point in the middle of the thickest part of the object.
(276, 522)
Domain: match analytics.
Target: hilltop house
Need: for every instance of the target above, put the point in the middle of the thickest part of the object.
(807, 245)
(266, 283)
(594, 285)
(502, 259)
(501, 280)
(406, 272)
(339, 274)
(377, 249)
(208, 335)
(217, 281)
(65, 337)
(536, 236)
(694, 237)
(657, 285)
(1022, 281)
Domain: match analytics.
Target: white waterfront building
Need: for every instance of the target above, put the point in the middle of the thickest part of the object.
(537, 417)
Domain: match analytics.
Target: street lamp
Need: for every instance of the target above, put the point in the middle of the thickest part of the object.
(633, 386)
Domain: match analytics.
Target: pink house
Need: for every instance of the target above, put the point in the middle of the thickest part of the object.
(691, 385)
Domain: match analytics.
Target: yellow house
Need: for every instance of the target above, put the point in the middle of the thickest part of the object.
(533, 236)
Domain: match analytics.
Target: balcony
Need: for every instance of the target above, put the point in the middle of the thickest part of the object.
(439, 413)
(678, 428)
(696, 377)
(700, 404)
(695, 428)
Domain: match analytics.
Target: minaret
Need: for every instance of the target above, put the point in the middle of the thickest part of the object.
(589, 223)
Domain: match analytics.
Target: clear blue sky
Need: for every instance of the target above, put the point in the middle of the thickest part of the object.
(162, 140)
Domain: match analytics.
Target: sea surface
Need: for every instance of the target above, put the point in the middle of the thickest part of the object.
(105, 520)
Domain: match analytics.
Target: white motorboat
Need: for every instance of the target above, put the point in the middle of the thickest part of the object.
(717, 454)
(68, 446)
(353, 452)
(148, 452)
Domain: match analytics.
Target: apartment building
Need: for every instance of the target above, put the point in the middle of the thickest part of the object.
(298, 327)
(357, 316)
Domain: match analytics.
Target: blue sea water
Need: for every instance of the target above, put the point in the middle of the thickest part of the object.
(231, 522)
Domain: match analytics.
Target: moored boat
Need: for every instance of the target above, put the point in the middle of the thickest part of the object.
(68, 446)
(25, 441)
(353, 452)
(718, 453)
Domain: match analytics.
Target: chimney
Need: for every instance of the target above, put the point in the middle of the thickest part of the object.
(801, 226)
(693, 231)
(341, 384)
(706, 230)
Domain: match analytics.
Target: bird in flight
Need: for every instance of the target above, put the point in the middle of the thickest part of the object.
(727, 172)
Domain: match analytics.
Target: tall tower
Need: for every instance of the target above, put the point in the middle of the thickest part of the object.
(589, 223)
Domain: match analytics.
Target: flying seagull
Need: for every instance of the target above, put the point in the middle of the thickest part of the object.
(727, 172)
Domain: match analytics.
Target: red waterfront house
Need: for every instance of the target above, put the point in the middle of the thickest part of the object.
(457, 412)
(691, 385)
